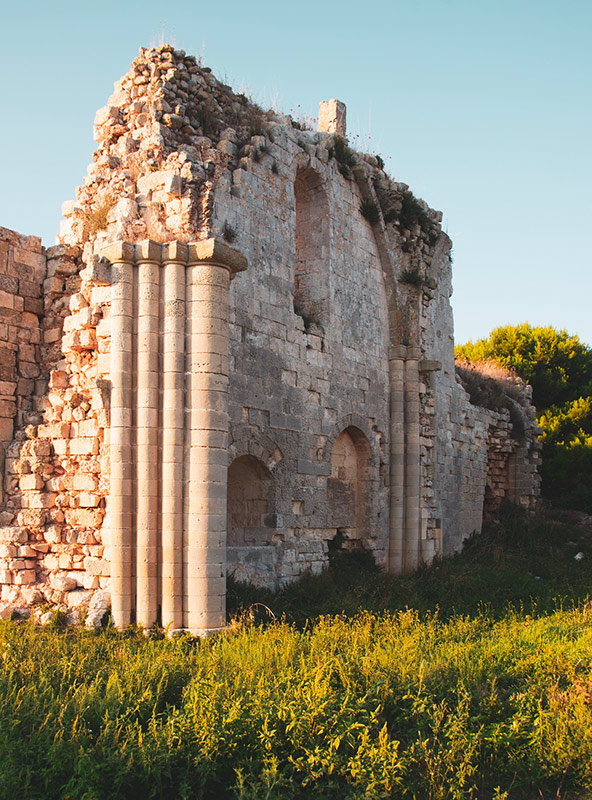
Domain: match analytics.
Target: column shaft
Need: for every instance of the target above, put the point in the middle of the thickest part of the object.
(173, 413)
(397, 466)
(206, 445)
(120, 442)
(412, 467)
(169, 431)
(147, 455)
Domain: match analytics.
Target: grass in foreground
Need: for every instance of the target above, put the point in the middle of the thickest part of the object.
(403, 704)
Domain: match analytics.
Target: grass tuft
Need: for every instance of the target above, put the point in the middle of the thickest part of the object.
(370, 211)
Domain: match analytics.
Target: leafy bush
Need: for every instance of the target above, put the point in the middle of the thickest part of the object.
(556, 364)
(411, 276)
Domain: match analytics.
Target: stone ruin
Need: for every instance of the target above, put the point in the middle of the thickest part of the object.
(238, 359)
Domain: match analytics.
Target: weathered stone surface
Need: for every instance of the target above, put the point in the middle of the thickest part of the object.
(97, 608)
(62, 583)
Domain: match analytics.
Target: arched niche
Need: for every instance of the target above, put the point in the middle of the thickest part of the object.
(311, 274)
(250, 521)
(248, 504)
(348, 488)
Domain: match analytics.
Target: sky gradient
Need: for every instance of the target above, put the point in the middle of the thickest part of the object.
(483, 108)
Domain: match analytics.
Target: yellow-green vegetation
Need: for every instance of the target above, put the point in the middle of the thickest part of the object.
(97, 217)
(424, 705)
(559, 368)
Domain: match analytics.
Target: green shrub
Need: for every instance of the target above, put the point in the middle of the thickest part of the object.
(412, 277)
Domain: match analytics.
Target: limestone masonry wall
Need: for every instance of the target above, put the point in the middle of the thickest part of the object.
(238, 359)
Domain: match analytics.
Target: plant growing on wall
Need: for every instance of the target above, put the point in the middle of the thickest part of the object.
(413, 214)
(344, 155)
(370, 211)
(411, 276)
(97, 217)
(228, 232)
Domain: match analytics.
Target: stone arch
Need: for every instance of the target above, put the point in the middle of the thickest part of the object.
(311, 267)
(359, 422)
(247, 441)
(349, 488)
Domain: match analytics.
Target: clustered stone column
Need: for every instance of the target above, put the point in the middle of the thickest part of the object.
(397, 460)
(405, 495)
(169, 431)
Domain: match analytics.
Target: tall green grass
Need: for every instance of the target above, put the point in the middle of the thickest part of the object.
(402, 704)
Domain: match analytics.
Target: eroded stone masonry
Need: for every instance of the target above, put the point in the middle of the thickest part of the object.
(238, 358)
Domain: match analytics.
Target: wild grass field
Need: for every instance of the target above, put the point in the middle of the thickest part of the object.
(470, 679)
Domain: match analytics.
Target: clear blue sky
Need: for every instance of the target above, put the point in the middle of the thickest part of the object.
(483, 108)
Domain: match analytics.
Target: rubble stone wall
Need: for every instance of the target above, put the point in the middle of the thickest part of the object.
(22, 271)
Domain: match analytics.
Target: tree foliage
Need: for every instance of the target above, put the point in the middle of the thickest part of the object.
(558, 366)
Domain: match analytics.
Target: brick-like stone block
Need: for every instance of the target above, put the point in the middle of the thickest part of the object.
(24, 577)
(32, 481)
(84, 517)
(84, 446)
(96, 566)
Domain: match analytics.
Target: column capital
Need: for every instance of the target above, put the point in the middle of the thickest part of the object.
(148, 250)
(213, 251)
(402, 352)
(413, 353)
(118, 252)
(206, 251)
(397, 352)
(175, 251)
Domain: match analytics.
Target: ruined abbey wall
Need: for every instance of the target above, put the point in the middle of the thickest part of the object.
(239, 358)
